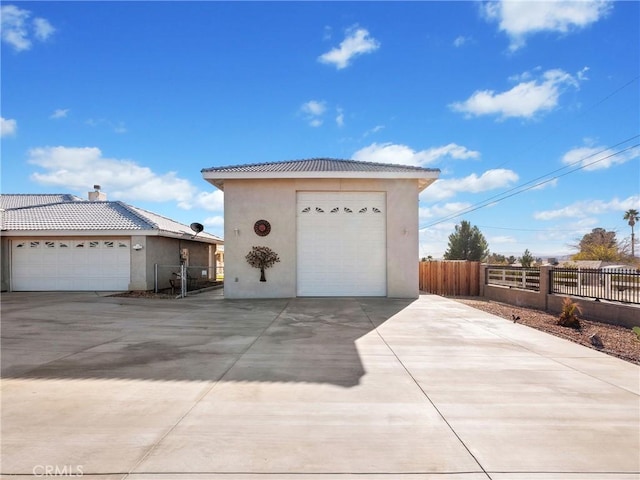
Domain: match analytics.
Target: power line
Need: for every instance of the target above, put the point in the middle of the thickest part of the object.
(589, 108)
(545, 230)
(519, 189)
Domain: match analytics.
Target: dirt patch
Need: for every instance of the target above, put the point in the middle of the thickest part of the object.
(167, 293)
(143, 294)
(618, 341)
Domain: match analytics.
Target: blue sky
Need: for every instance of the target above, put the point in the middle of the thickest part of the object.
(502, 96)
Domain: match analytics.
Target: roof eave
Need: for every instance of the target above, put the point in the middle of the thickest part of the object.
(109, 233)
(424, 178)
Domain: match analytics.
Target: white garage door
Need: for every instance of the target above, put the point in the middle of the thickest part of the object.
(341, 244)
(83, 264)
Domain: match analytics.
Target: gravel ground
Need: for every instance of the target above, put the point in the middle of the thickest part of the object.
(618, 341)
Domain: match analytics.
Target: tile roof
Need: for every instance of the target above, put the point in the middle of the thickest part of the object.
(319, 165)
(74, 216)
(166, 224)
(36, 213)
(18, 200)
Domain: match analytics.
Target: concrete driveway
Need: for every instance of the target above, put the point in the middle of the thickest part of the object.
(205, 388)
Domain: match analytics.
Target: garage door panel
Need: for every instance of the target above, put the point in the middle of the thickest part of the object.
(341, 244)
(81, 264)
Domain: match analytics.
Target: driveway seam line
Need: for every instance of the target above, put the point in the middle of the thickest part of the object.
(153, 447)
(375, 328)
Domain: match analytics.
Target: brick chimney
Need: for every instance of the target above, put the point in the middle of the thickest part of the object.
(97, 195)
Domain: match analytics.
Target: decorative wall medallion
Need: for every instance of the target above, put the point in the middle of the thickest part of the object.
(262, 228)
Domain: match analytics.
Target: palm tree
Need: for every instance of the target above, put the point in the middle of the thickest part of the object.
(632, 216)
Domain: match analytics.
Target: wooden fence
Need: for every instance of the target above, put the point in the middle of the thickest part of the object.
(450, 278)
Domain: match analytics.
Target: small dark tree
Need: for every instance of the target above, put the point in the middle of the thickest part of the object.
(262, 257)
(467, 243)
(526, 260)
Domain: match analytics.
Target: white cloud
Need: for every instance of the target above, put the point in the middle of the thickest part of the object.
(116, 127)
(586, 208)
(501, 239)
(212, 201)
(314, 107)
(42, 29)
(542, 184)
(525, 100)
(461, 41)
(18, 31)
(489, 180)
(519, 19)
(59, 113)
(340, 118)
(214, 222)
(8, 127)
(404, 155)
(598, 158)
(375, 129)
(357, 42)
(77, 169)
(434, 240)
(441, 210)
(313, 110)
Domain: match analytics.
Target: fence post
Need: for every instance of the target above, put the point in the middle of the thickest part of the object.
(579, 282)
(483, 279)
(545, 283)
(183, 280)
(607, 284)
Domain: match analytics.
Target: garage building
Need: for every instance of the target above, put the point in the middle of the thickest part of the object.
(60, 242)
(339, 227)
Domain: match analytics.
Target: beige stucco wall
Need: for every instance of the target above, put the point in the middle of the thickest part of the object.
(4, 263)
(163, 251)
(247, 201)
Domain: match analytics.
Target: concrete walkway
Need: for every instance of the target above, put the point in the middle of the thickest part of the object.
(206, 388)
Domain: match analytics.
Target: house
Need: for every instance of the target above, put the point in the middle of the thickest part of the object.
(61, 242)
(339, 227)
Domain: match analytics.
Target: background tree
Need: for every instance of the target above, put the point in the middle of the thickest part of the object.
(496, 259)
(598, 236)
(511, 260)
(599, 244)
(466, 243)
(526, 260)
(632, 216)
(262, 257)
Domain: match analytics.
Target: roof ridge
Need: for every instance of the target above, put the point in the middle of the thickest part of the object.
(316, 159)
(131, 208)
(39, 205)
(167, 218)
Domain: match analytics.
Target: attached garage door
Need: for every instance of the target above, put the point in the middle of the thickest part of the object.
(84, 264)
(341, 244)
